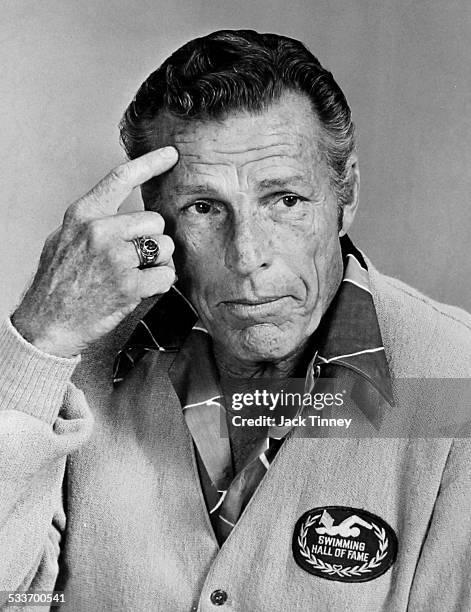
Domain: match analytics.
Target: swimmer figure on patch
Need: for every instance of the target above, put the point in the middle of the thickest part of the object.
(345, 529)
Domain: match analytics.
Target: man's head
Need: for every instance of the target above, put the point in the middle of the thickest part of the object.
(266, 179)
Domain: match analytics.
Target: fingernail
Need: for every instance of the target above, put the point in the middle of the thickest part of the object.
(169, 152)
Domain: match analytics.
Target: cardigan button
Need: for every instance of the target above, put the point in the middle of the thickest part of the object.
(218, 597)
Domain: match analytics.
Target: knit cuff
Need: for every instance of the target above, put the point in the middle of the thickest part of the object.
(31, 381)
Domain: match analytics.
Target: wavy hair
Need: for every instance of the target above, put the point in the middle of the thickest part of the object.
(231, 70)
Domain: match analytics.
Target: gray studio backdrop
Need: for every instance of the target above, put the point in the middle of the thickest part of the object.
(69, 68)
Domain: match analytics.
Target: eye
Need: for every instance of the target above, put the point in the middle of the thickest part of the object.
(290, 200)
(203, 207)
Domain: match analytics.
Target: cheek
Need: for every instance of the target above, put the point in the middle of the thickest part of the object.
(197, 261)
(303, 246)
(329, 268)
(313, 254)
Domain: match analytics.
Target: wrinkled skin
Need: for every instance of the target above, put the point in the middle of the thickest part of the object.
(88, 278)
(255, 224)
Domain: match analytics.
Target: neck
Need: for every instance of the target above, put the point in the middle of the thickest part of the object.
(233, 367)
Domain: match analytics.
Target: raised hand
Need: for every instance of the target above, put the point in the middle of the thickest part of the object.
(88, 278)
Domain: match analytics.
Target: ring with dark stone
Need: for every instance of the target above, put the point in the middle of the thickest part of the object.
(147, 249)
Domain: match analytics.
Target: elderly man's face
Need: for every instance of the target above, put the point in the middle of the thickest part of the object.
(255, 222)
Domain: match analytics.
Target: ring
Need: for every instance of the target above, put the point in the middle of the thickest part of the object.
(147, 250)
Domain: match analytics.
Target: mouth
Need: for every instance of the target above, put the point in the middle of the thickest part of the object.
(254, 301)
(255, 308)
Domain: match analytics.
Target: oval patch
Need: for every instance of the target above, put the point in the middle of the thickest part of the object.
(344, 544)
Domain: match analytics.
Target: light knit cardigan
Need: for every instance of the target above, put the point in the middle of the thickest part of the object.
(137, 536)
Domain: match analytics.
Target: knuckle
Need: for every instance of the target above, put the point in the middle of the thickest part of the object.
(50, 247)
(167, 245)
(120, 174)
(156, 281)
(74, 212)
(96, 232)
(168, 276)
(154, 220)
(159, 222)
(53, 238)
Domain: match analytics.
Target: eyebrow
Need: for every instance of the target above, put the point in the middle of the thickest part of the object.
(263, 185)
(281, 183)
(186, 190)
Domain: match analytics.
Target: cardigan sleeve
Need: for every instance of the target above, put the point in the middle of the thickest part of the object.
(442, 580)
(43, 418)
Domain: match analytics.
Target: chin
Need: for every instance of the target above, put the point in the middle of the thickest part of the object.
(265, 342)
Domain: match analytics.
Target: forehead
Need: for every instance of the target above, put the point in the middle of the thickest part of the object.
(244, 146)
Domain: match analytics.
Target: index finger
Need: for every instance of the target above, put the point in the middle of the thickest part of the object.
(115, 187)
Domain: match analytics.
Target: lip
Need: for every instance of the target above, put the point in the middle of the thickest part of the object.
(259, 308)
(254, 301)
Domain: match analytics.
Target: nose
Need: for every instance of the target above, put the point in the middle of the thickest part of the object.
(249, 247)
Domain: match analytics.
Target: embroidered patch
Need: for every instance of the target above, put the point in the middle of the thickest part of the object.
(344, 544)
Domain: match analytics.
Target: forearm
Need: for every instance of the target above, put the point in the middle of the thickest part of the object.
(43, 418)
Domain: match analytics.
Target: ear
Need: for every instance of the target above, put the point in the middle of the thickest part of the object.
(350, 208)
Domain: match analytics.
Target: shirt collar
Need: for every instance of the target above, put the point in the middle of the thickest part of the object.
(348, 335)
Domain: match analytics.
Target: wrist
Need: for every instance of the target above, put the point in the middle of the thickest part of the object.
(31, 381)
(45, 340)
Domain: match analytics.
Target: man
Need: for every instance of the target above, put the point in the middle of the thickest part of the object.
(243, 146)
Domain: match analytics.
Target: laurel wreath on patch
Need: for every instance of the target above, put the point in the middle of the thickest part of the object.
(343, 572)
